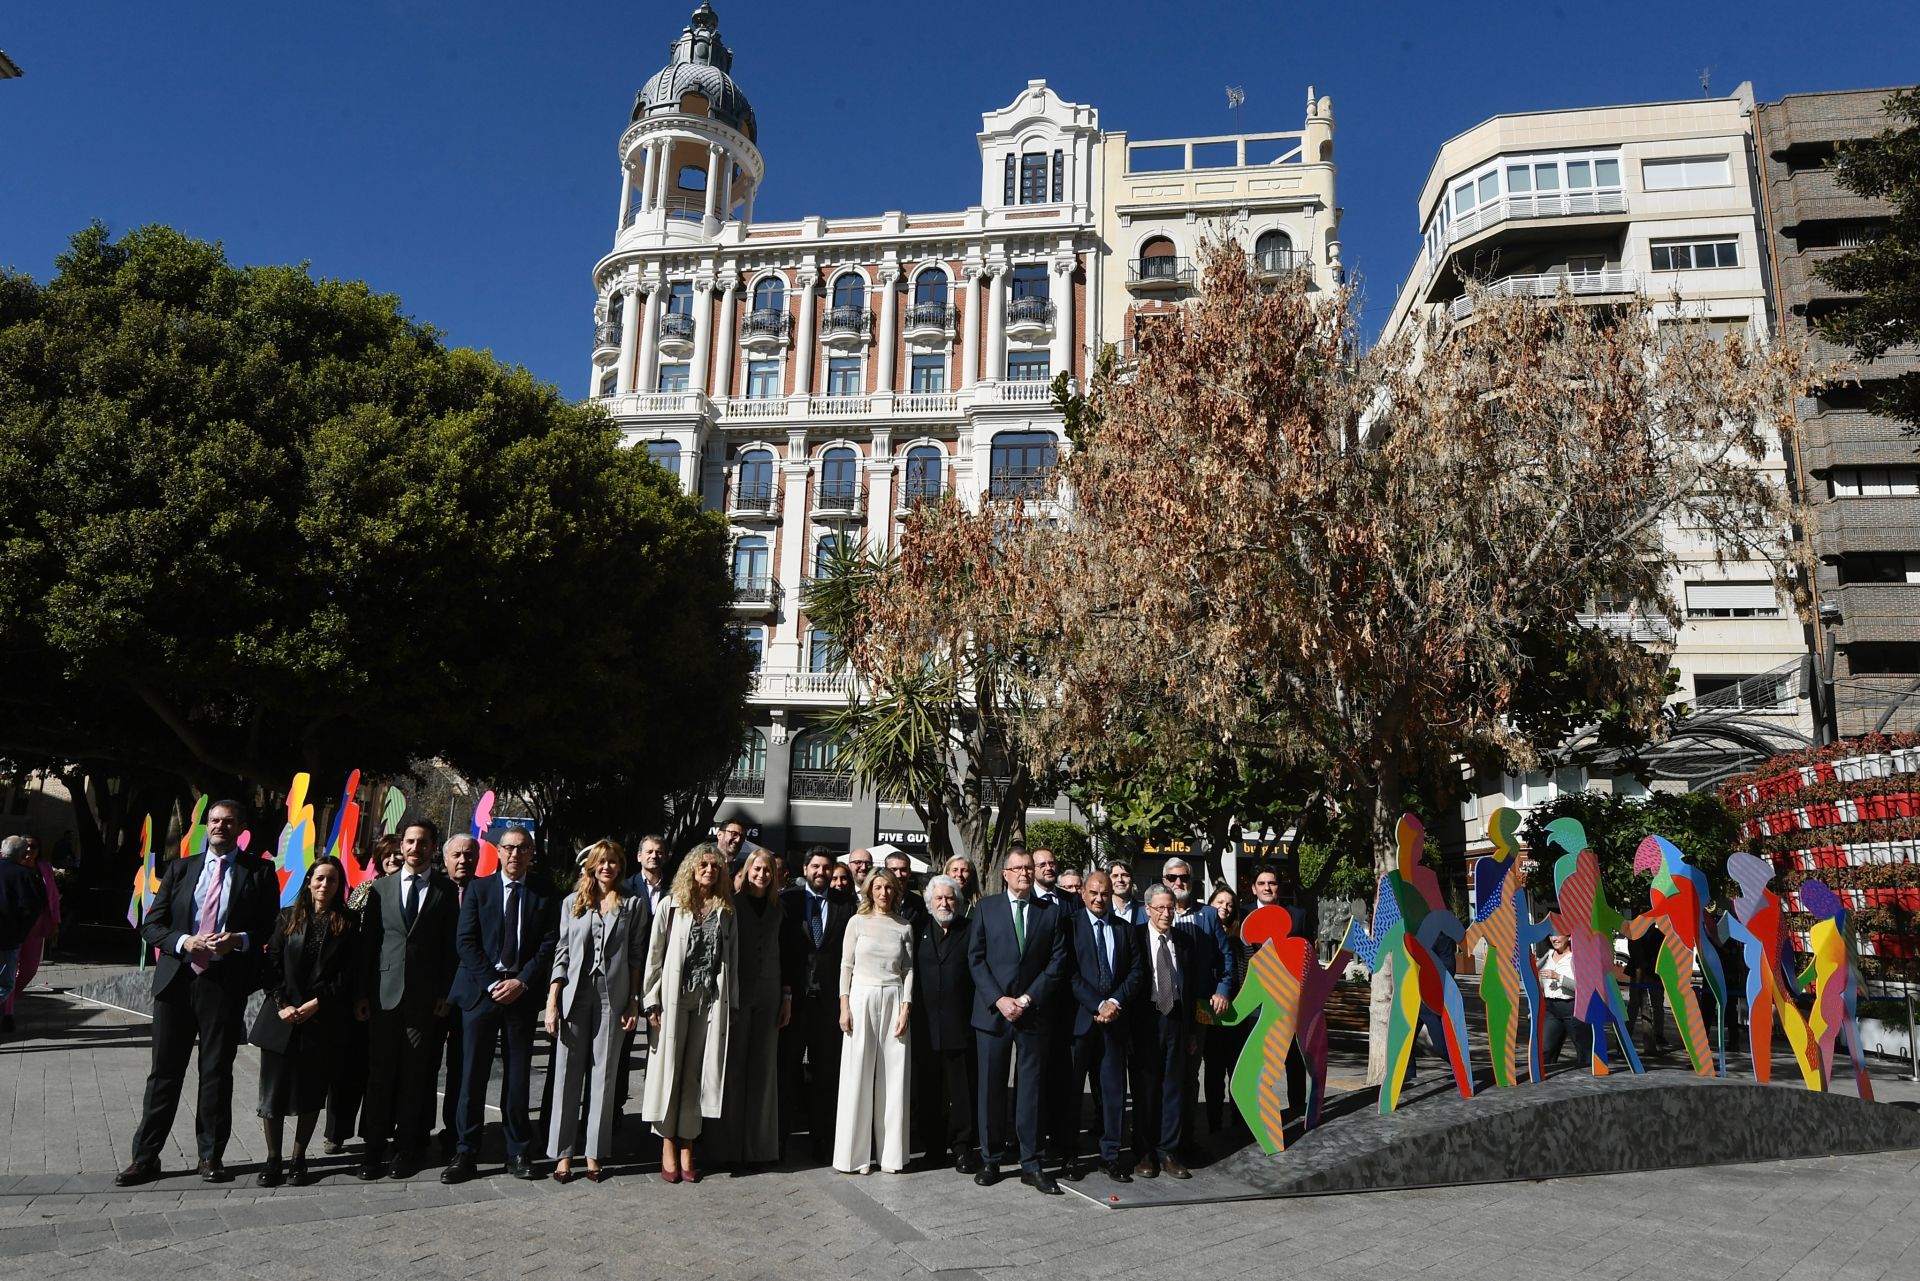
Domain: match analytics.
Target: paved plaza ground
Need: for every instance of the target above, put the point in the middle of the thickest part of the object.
(69, 1097)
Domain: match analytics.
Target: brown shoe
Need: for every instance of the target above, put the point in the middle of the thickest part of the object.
(1145, 1168)
(1173, 1169)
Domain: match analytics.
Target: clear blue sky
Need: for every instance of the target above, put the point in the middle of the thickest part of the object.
(461, 155)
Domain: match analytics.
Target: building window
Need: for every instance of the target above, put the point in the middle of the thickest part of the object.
(849, 291)
(830, 547)
(929, 373)
(666, 453)
(1059, 176)
(1033, 178)
(1873, 482)
(1883, 658)
(763, 379)
(1274, 251)
(755, 487)
(608, 381)
(1695, 255)
(930, 288)
(755, 639)
(770, 294)
(822, 656)
(753, 755)
(814, 749)
(839, 478)
(1755, 599)
(1880, 567)
(926, 469)
(1020, 462)
(1008, 199)
(673, 377)
(843, 376)
(1159, 260)
(1028, 282)
(1691, 171)
(1028, 366)
(680, 299)
(750, 564)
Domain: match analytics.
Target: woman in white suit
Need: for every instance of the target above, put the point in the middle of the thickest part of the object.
(690, 999)
(876, 998)
(593, 1000)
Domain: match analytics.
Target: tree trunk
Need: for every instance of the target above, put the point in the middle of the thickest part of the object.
(1385, 812)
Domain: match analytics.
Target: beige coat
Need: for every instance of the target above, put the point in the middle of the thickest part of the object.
(666, 952)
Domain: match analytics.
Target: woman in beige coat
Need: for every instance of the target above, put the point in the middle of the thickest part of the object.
(689, 998)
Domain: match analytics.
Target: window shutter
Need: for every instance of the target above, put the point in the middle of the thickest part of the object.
(1059, 177)
(1704, 596)
(1010, 178)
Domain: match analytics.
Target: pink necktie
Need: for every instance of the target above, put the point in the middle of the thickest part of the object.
(210, 909)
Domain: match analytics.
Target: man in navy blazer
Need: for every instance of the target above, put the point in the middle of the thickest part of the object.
(508, 928)
(1018, 954)
(1107, 981)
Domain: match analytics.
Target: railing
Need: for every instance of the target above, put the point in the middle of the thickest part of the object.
(1773, 691)
(746, 785)
(754, 502)
(766, 323)
(930, 315)
(607, 335)
(914, 495)
(1023, 391)
(847, 320)
(1020, 482)
(820, 785)
(1548, 285)
(758, 590)
(837, 406)
(836, 498)
(676, 325)
(756, 407)
(1278, 262)
(1539, 204)
(994, 790)
(1635, 627)
(1030, 311)
(927, 402)
(827, 685)
(676, 206)
(1165, 271)
(660, 402)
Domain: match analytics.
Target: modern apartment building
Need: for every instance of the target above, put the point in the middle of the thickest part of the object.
(815, 378)
(1660, 200)
(1859, 475)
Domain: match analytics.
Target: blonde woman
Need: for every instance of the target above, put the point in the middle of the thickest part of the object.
(748, 1131)
(960, 868)
(593, 1001)
(690, 999)
(876, 996)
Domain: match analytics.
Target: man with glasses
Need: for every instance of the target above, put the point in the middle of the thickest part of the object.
(860, 862)
(1018, 954)
(1163, 1022)
(1200, 922)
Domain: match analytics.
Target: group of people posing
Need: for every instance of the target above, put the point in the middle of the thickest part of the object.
(879, 1017)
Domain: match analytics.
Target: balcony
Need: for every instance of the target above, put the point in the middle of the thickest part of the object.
(754, 504)
(606, 341)
(1281, 262)
(756, 407)
(836, 502)
(927, 402)
(1150, 275)
(817, 687)
(820, 785)
(838, 406)
(929, 325)
(919, 496)
(1024, 391)
(1640, 628)
(658, 404)
(846, 328)
(755, 594)
(1538, 204)
(1029, 319)
(764, 332)
(1581, 284)
(676, 335)
(1029, 483)
(746, 785)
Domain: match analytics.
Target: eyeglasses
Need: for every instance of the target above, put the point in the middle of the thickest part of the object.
(508, 849)
(1176, 876)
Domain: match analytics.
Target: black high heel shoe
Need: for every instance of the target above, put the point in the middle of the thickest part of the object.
(297, 1171)
(271, 1174)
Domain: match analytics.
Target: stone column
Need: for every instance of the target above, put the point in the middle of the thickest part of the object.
(629, 337)
(793, 552)
(889, 277)
(626, 194)
(649, 164)
(803, 336)
(997, 326)
(713, 180)
(880, 467)
(746, 215)
(726, 192)
(648, 376)
(702, 332)
(722, 384)
(1060, 355)
(972, 333)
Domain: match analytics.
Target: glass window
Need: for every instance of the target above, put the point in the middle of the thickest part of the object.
(843, 376)
(680, 299)
(755, 639)
(1028, 366)
(1059, 176)
(666, 453)
(1008, 198)
(1463, 197)
(849, 291)
(753, 753)
(1579, 175)
(770, 294)
(763, 379)
(1546, 177)
(839, 473)
(1606, 172)
(926, 465)
(673, 377)
(750, 562)
(929, 373)
(1519, 179)
(756, 476)
(1033, 178)
(1489, 186)
(1028, 282)
(1019, 462)
(609, 381)
(822, 656)
(814, 750)
(825, 550)
(930, 286)
(1683, 255)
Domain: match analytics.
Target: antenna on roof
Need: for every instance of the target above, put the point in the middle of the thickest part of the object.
(1236, 98)
(1706, 79)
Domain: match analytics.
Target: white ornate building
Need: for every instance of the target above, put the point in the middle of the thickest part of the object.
(813, 379)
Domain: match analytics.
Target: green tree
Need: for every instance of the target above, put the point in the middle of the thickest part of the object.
(260, 523)
(1885, 271)
(1698, 822)
(1071, 845)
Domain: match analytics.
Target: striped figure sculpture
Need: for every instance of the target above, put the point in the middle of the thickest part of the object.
(1759, 922)
(1834, 974)
(1504, 922)
(1589, 925)
(1679, 910)
(1285, 995)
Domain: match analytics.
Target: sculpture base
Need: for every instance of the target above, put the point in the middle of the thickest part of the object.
(1568, 1125)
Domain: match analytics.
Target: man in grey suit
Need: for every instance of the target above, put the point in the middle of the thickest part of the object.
(407, 971)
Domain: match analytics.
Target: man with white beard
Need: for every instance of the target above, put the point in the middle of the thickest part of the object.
(944, 1075)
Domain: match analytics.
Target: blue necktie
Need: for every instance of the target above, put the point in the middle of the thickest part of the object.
(1100, 953)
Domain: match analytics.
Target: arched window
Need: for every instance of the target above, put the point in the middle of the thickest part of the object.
(1159, 260)
(849, 290)
(1020, 462)
(753, 759)
(751, 564)
(1274, 251)
(839, 478)
(930, 287)
(817, 750)
(826, 550)
(755, 487)
(926, 471)
(666, 453)
(770, 294)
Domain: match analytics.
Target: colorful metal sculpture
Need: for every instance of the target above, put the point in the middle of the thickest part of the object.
(1679, 910)
(1759, 921)
(392, 810)
(1504, 922)
(489, 861)
(1286, 995)
(346, 833)
(1834, 974)
(295, 851)
(1589, 924)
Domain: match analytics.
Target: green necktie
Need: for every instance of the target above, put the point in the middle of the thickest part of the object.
(1020, 924)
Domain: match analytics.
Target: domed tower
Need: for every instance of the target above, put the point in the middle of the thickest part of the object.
(688, 162)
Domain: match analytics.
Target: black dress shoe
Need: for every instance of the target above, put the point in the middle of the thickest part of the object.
(988, 1175)
(520, 1168)
(1173, 1169)
(1146, 1168)
(272, 1174)
(212, 1171)
(458, 1170)
(297, 1171)
(1040, 1179)
(968, 1163)
(136, 1174)
(370, 1171)
(405, 1166)
(1117, 1172)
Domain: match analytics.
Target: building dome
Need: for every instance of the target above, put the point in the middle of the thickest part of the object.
(699, 67)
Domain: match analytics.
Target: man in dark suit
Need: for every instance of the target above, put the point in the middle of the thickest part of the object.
(944, 1087)
(813, 927)
(1060, 1094)
(506, 936)
(1106, 982)
(459, 857)
(210, 920)
(406, 971)
(1176, 973)
(913, 906)
(1017, 950)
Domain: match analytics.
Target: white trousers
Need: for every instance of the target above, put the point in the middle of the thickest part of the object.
(873, 1085)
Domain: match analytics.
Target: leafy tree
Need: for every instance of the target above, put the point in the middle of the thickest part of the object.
(1886, 270)
(1698, 822)
(1071, 845)
(260, 523)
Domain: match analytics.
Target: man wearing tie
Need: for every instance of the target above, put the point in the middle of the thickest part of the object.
(813, 928)
(508, 928)
(210, 919)
(1018, 954)
(1176, 973)
(406, 971)
(649, 886)
(1107, 982)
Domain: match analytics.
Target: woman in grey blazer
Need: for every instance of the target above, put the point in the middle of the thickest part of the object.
(593, 1000)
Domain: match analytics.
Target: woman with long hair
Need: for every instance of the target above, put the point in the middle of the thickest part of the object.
(961, 869)
(748, 1130)
(840, 880)
(690, 997)
(303, 1019)
(593, 1001)
(876, 997)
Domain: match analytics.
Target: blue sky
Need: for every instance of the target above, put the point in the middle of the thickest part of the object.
(462, 155)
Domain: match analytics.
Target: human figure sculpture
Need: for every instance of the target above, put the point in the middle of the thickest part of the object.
(1759, 921)
(1679, 910)
(1589, 924)
(1834, 974)
(1285, 993)
(1504, 922)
